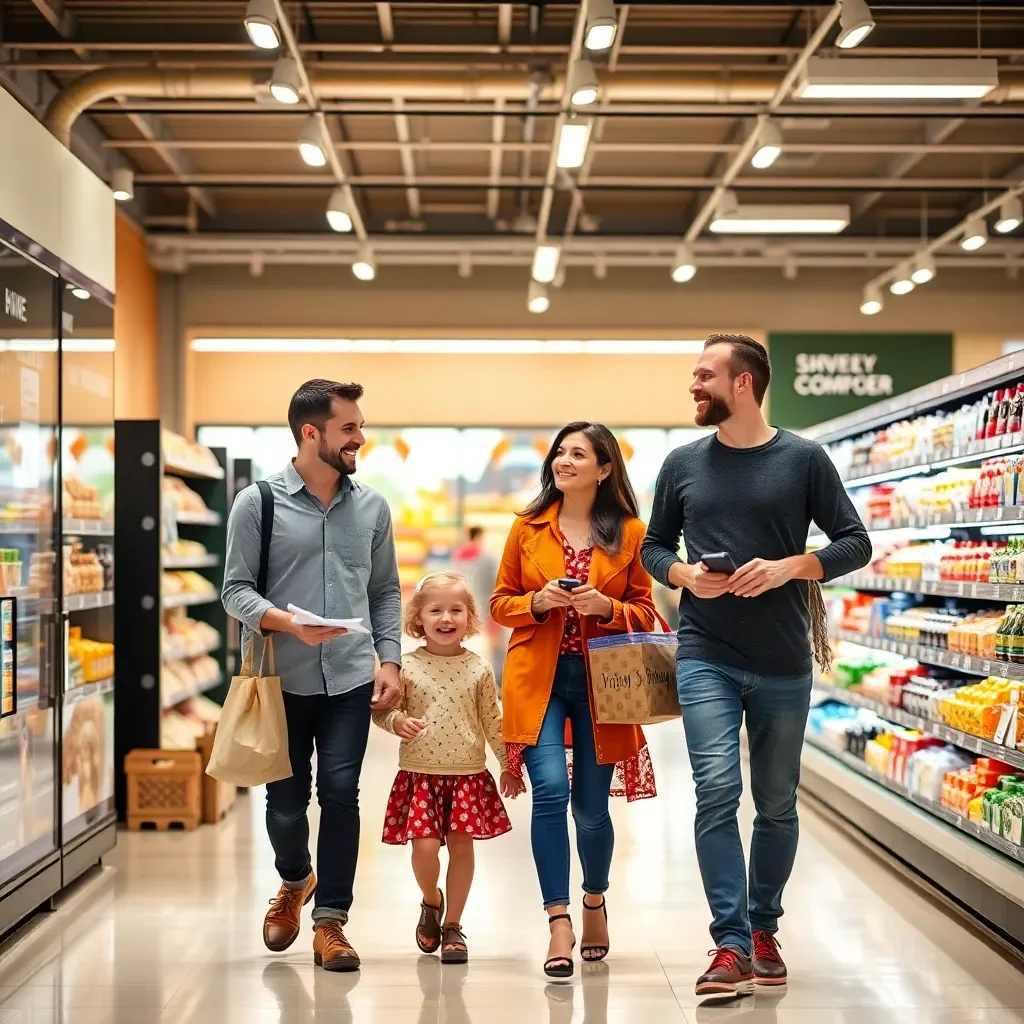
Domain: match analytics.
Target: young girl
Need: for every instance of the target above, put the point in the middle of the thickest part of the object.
(443, 793)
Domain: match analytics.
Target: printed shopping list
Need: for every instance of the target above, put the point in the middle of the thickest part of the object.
(304, 618)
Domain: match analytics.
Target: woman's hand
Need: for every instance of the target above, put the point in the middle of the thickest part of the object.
(511, 786)
(409, 728)
(552, 596)
(588, 601)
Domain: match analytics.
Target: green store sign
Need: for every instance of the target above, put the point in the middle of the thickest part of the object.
(816, 377)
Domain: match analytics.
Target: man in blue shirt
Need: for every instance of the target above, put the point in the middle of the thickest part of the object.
(332, 552)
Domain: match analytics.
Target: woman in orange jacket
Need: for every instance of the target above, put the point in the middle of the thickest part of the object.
(571, 571)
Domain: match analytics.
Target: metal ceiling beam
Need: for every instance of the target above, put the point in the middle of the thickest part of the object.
(504, 24)
(387, 23)
(58, 16)
(498, 149)
(412, 193)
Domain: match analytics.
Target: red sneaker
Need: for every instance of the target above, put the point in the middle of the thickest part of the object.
(730, 974)
(769, 967)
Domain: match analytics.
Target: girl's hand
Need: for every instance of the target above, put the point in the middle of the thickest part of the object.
(588, 601)
(552, 596)
(409, 728)
(511, 786)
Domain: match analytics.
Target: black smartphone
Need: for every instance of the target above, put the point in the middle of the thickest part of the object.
(568, 583)
(719, 561)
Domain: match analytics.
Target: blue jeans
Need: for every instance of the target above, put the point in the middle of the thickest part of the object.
(339, 727)
(591, 782)
(715, 698)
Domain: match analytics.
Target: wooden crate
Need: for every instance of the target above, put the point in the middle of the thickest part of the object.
(164, 789)
(218, 797)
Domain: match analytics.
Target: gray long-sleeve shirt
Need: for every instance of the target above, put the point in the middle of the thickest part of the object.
(338, 562)
(753, 503)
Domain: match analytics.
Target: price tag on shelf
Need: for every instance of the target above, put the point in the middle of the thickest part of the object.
(966, 663)
(954, 661)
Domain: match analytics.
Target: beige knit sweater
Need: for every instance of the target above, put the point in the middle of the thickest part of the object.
(457, 699)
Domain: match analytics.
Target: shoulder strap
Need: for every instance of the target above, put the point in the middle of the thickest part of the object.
(266, 532)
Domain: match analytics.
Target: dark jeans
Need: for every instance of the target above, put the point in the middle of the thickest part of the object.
(591, 782)
(715, 698)
(339, 727)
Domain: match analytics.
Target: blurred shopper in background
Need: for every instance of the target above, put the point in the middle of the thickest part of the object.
(480, 568)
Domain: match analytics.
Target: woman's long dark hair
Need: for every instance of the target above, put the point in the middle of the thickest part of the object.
(615, 502)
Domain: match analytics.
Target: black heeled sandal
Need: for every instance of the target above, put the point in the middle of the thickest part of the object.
(560, 966)
(601, 950)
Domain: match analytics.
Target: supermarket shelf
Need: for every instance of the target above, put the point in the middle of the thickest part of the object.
(1009, 592)
(77, 693)
(173, 699)
(975, 744)
(89, 527)
(934, 656)
(192, 471)
(24, 527)
(183, 600)
(177, 653)
(195, 562)
(197, 518)
(1007, 515)
(84, 602)
(958, 821)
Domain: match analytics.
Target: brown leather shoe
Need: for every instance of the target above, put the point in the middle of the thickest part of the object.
(281, 925)
(331, 950)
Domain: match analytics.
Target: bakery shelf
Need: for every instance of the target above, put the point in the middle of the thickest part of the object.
(85, 602)
(198, 518)
(176, 652)
(24, 527)
(173, 699)
(192, 562)
(186, 600)
(975, 744)
(76, 693)
(193, 472)
(88, 527)
(998, 592)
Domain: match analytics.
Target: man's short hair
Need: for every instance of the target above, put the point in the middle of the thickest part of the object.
(311, 403)
(476, 532)
(748, 356)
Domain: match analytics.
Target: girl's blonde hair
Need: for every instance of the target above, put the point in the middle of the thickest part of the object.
(411, 622)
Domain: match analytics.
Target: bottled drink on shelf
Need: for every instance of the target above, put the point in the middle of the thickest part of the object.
(984, 410)
(1003, 413)
(1016, 409)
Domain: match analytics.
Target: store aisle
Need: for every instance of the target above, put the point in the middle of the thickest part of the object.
(169, 932)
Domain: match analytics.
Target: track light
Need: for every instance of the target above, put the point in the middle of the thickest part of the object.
(537, 300)
(285, 83)
(80, 292)
(871, 303)
(684, 266)
(338, 215)
(1010, 215)
(261, 24)
(311, 143)
(601, 25)
(924, 269)
(364, 266)
(122, 184)
(769, 146)
(545, 263)
(902, 283)
(975, 234)
(572, 143)
(855, 23)
(583, 84)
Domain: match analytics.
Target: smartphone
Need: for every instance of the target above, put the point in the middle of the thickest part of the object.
(568, 583)
(719, 561)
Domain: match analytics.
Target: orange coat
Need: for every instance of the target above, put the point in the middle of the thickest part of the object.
(534, 556)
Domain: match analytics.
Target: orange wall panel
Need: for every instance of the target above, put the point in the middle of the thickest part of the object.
(136, 375)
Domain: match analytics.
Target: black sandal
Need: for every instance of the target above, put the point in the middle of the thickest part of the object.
(452, 935)
(601, 950)
(560, 966)
(428, 929)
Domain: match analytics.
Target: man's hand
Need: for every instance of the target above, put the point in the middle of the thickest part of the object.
(409, 728)
(588, 601)
(760, 575)
(387, 689)
(699, 580)
(314, 636)
(511, 787)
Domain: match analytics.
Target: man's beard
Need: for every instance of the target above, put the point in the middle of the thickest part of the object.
(716, 412)
(334, 459)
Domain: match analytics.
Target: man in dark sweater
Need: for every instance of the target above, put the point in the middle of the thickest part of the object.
(744, 649)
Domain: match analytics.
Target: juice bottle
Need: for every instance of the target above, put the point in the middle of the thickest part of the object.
(1003, 414)
(1002, 650)
(983, 411)
(1016, 409)
(993, 415)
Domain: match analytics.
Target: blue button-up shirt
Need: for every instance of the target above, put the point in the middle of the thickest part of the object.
(338, 562)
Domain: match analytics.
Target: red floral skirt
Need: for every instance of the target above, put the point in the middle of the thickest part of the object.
(430, 806)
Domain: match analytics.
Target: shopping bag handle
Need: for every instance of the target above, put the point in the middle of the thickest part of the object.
(268, 646)
(629, 612)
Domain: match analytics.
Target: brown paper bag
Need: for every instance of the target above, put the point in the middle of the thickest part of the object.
(633, 676)
(251, 745)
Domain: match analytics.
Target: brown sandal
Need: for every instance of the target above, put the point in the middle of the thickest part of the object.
(452, 935)
(428, 929)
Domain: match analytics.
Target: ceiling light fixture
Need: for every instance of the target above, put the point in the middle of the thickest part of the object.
(583, 84)
(545, 263)
(122, 184)
(261, 24)
(364, 266)
(871, 303)
(769, 146)
(285, 82)
(311, 143)
(781, 219)
(924, 269)
(684, 266)
(1011, 213)
(80, 293)
(572, 143)
(602, 25)
(338, 215)
(902, 283)
(855, 23)
(537, 300)
(975, 234)
(896, 78)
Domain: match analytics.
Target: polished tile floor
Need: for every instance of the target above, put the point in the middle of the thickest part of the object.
(169, 931)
